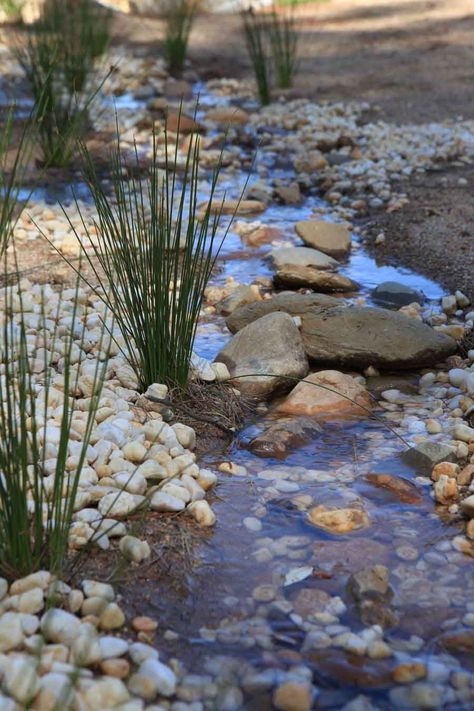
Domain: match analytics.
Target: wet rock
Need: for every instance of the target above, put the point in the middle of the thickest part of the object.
(328, 237)
(293, 696)
(449, 469)
(241, 296)
(327, 393)
(262, 234)
(283, 436)
(297, 277)
(351, 671)
(393, 294)
(177, 121)
(372, 581)
(308, 601)
(458, 641)
(424, 456)
(338, 521)
(446, 490)
(231, 207)
(293, 304)
(419, 696)
(409, 672)
(228, 116)
(359, 336)
(467, 506)
(202, 513)
(272, 346)
(288, 194)
(402, 489)
(301, 257)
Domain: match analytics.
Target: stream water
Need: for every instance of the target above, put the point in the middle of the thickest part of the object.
(237, 621)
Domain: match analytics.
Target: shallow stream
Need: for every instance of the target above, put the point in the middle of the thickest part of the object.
(244, 619)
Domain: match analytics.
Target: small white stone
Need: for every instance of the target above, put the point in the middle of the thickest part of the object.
(60, 626)
(134, 549)
(11, 631)
(21, 679)
(111, 647)
(160, 501)
(202, 513)
(117, 505)
(139, 652)
(93, 588)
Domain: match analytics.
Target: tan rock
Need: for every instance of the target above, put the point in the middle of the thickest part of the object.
(228, 115)
(330, 238)
(142, 623)
(338, 521)
(296, 277)
(466, 475)
(186, 124)
(262, 235)
(293, 696)
(328, 392)
(408, 672)
(118, 668)
(449, 469)
(244, 207)
(446, 490)
(112, 617)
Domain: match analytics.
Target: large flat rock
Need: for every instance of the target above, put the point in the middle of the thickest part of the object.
(270, 346)
(301, 257)
(328, 237)
(294, 304)
(297, 277)
(356, 337)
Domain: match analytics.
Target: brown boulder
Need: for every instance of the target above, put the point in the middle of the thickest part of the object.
(328, 237)
(327, 393)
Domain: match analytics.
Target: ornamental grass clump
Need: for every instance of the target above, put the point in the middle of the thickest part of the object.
(15, 153)
(256, 32)
(41, 359)
(81, 31)
(284, 40)
(58, 63)
(153, 251)
(179, 17)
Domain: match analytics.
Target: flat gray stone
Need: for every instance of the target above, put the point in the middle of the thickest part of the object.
(294, 304)
(424, 456)
(356, 337)
(394, 294)
(301, 257)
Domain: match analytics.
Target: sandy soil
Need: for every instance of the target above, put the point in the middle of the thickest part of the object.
(413, 59)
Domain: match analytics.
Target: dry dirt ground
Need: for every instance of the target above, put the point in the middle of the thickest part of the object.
(414, 60)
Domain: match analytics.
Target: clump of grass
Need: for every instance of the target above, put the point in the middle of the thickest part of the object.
(15, 153)
(62, 114)
(256, 28)
(58, 61)
(284, 45)
(38, 490)
(179, 16)
(156, 247)
(80, 31)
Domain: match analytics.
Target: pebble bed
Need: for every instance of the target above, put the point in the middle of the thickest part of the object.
(74, 648)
